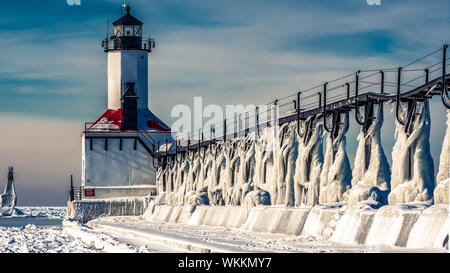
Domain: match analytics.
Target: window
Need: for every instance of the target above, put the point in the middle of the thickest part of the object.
(128, 30)
(138, 31)
(118, 31)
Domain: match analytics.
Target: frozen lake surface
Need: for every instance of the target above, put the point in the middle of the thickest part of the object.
(24, 221)
(38, 230)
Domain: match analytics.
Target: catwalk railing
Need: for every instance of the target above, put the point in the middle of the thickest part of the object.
(417, 81)
(143, 134)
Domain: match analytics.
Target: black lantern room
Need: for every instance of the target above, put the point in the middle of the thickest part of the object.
(127, 34)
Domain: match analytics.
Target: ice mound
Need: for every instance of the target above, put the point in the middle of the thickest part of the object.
(195, 198)
(412, 176)
(441, 192)
(360, 194)
(161, 198)
(257, 198)
(10, 212)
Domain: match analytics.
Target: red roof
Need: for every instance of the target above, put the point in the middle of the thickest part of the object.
(112, 120)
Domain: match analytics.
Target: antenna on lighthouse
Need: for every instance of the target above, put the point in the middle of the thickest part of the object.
(123, 6)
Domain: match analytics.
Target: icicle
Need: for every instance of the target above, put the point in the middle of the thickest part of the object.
(336, 176)
(310, 156)
(266, 172)
(248, 168)
(412, 165)
(215, 187)
(373, 182)
(287, 154)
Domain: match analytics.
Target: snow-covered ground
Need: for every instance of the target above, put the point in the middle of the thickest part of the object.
(134, 234)
(34, 239)
(38, 240)
(42, 232)
(184, 237)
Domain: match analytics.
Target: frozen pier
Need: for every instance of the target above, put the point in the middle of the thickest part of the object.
(279, 229)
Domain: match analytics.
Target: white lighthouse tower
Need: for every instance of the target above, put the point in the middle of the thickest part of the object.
(117, 148)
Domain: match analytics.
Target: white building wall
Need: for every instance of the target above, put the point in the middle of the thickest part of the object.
(114, 79)
(127, 66)
(114, 167)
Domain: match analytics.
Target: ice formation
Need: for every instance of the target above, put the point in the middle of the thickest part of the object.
(9, 198)
(336, 174)
(441, 192)
(309, 164)
(371, 173)
(86, 210)
(274, 166)
(285, 166)
(412, 176)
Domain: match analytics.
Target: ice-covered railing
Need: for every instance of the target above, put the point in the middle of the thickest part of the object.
(341, 92)
(235, 167)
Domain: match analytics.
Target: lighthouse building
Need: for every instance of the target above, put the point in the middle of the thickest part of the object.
(117, 148)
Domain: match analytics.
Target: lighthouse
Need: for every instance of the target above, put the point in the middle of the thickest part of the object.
(117, 148)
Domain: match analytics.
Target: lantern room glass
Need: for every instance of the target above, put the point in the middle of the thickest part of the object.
(118, 30)
(130, 30)
(138, 31)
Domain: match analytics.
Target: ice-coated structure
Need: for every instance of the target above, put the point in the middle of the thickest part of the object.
(309, 164)
(285, 154)
(336, 174)
(85, 210)
(286, 166)
(371, 173)
(273, 166)
(412, 176)
(441, 192)
(9, 198)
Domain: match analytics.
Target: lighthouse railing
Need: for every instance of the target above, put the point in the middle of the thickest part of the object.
(115, 43)
(141, 133)
(148, 140)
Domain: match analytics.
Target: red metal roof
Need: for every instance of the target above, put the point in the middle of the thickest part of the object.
(112, 120)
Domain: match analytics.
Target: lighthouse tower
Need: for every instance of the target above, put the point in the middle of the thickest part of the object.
(117, 148)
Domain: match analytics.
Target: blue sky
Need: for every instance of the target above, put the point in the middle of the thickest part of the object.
(53, 70)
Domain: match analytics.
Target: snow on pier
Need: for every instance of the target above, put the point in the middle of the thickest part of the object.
(332, 228)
